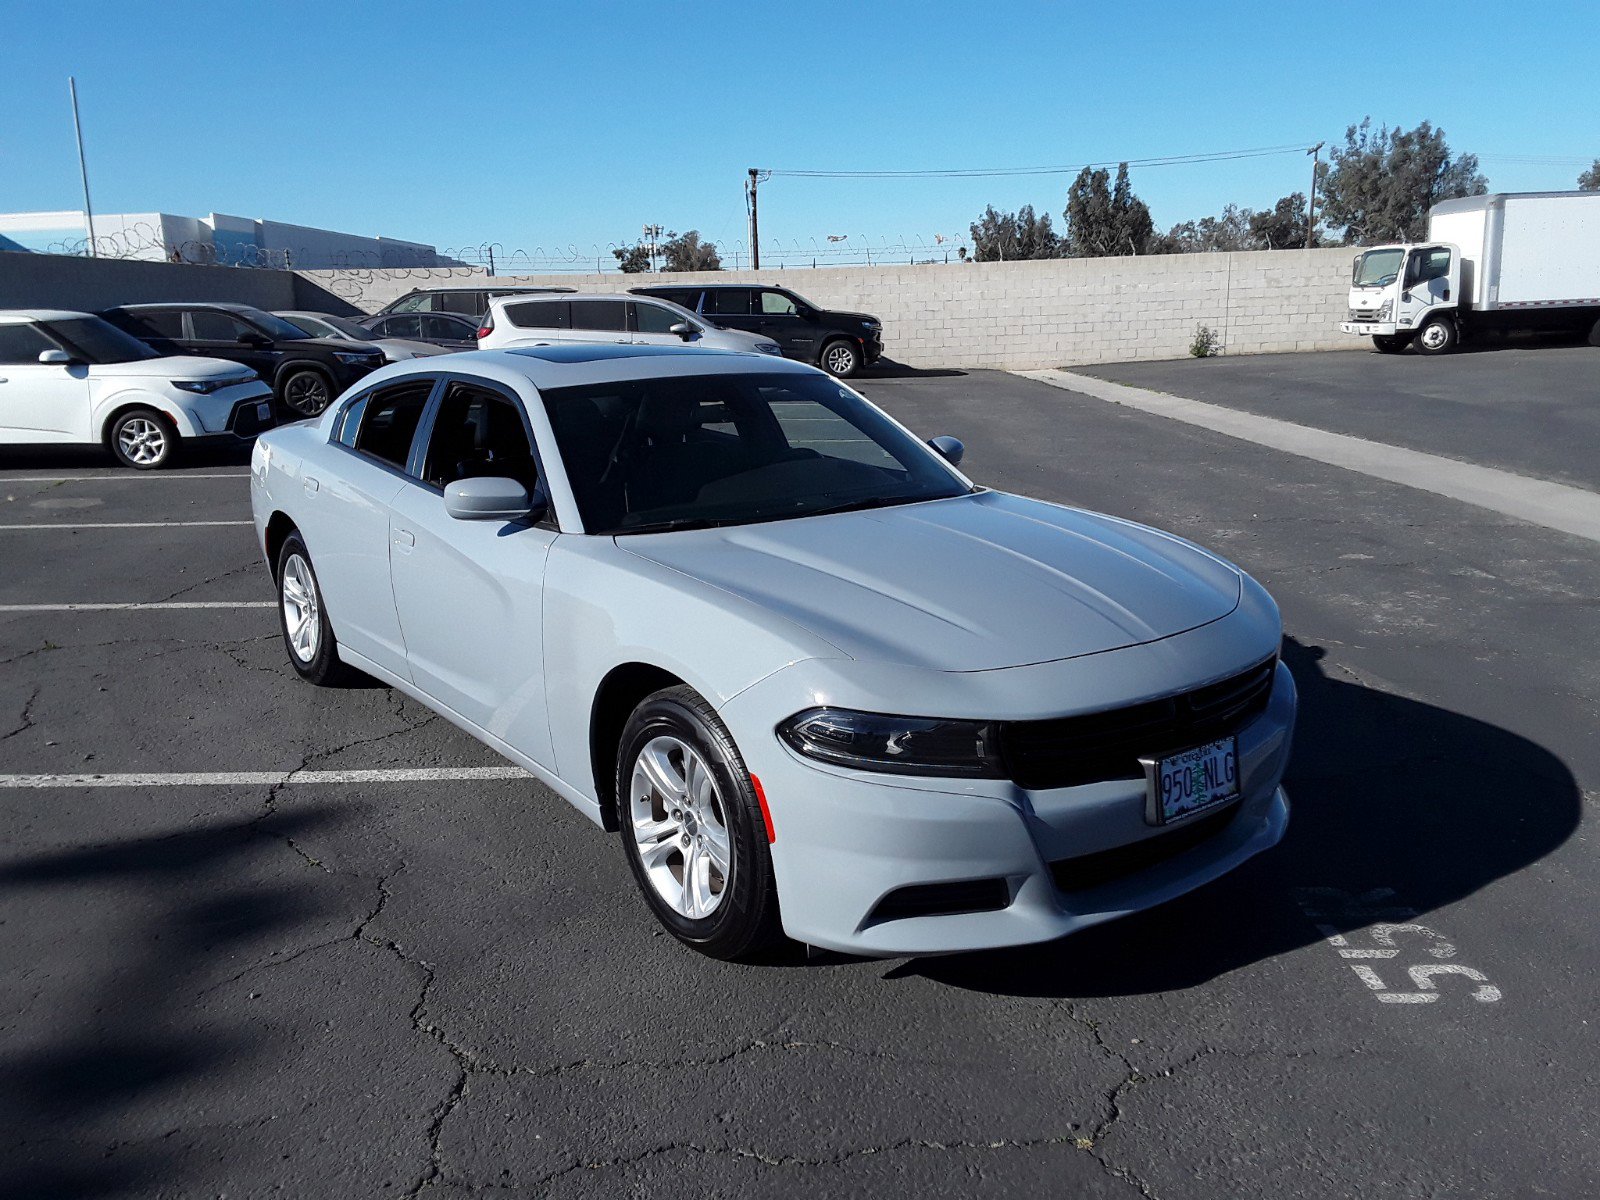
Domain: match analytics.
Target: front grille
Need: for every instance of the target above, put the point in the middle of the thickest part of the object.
(1092, 870)
(1067, 751)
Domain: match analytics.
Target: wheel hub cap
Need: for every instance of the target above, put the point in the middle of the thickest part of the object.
(300, 614)
(675, 812)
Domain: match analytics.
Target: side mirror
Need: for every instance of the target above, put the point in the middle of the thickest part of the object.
(493, 498)
(950, 449)
(683, 329)
(56, 358)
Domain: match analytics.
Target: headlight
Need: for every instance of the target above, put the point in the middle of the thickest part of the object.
(769, 348)
(358, 360)
(901, 745)
(872, 325)
(204, 387)
(1386, 309)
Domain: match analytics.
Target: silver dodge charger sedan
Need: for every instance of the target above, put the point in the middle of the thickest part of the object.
(820, 683)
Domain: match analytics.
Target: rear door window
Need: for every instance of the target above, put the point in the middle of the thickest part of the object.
(610, 316)
(467, 304)
(444, 328)
(389, 421)
(540, 314)
(728, 302)
(165, 324)
(407, 326)
(213, 325)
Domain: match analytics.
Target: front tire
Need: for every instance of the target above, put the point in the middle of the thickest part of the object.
(303, 618)
(306, 393)
(1437, 336)
(840, 359)
(1385, 343)
(141, 438)
(692, 827)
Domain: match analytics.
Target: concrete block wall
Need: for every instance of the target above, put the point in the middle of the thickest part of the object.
(88, 284)
(1058, 312)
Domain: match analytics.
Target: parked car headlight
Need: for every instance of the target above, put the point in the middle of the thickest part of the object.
(900, 745)
(358, 360)
(872, 325)
(204, 387)
(769, 348)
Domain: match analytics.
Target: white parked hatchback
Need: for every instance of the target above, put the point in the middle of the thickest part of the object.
(71, 378)
(608, 319)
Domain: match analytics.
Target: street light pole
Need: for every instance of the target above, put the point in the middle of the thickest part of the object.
(1311, 197)
(83, 166)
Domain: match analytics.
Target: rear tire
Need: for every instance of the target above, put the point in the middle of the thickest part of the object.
(692, 828)
(840, 359)
(303, 618)
(1385, 343)
(142, 439)
(1438, 335)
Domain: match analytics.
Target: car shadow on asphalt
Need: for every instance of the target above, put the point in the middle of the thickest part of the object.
(887, 368)
(1387, 793)
(78, 458)
(75, 1083)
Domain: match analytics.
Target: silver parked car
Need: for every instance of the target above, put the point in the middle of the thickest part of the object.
(343, 329)
(819, 682)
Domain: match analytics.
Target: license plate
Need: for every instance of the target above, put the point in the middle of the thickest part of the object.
(1194, 780)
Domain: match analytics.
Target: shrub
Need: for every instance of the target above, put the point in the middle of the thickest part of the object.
(1206, 343)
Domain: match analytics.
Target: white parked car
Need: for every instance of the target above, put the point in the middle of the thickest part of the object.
(608, 319)
(816, 680)
(71, 378)
(343, 329)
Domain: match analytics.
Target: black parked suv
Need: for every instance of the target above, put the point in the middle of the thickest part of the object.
(306, 373)
(469, 302)
(840, 343)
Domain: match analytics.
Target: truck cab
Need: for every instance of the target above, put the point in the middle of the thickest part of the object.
(1405, 294)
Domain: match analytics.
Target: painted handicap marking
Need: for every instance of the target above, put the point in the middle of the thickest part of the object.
(1374, 927)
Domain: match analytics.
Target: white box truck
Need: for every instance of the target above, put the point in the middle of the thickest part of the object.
(1514, 260)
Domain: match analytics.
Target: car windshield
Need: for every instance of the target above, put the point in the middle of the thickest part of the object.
(98, 341)
(272, 326)
(325, 325)
(648, 455)
(1378, 268)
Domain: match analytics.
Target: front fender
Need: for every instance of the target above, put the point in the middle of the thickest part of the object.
(108, 406)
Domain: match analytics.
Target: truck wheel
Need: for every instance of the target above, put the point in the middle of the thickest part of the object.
(1385, 343)
(840, 358)
(1437, 336)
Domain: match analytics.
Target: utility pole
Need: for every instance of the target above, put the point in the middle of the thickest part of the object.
(757, 176)
(83, 166)
(651, 233)
(1311, 197)
(491, 261)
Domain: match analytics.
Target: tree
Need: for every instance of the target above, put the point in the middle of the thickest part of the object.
(633, 260)
(1283, 227)
(1380, 184)
(1231, 230)
(1006, 237)
(1105, 220)
(686, 252)
(1589, 181)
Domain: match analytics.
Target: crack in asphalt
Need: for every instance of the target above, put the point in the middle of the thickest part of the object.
(183, 591)
(27, 715)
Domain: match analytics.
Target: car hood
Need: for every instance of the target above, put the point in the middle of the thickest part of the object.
(337, 345)
(174, 366)
(845, 318)
(405, 346)
(972, 583)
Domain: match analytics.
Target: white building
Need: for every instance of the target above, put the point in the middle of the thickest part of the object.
(230, 241)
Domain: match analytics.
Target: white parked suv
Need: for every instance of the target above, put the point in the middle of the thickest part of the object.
(611, 319)
(73, 378)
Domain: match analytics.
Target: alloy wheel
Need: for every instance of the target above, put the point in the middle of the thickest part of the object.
(306, 393)
(680, 827)
(142, 441)
(300, 614)
(839, 360)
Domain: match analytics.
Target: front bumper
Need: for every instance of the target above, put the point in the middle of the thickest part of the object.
(1369, 328)
(241, 411)
(848, 843)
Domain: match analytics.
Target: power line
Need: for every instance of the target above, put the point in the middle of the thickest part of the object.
(1072, 168)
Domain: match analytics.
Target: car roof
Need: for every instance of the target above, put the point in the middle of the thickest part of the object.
(563, 297)
(492, 287)
(575, 364)
(223, 304)
(11, 315)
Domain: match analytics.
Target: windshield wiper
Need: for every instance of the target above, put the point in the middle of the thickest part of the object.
(858, 505)
(669, 526)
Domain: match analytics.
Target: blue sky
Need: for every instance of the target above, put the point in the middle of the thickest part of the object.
(548, 126)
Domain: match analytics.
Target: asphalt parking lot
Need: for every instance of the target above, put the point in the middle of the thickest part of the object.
(263, 969)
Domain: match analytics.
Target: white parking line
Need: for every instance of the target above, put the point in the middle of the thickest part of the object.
(1554, 505)
(119, 475)
(264, 778)
(137, 606)
(124, 524)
